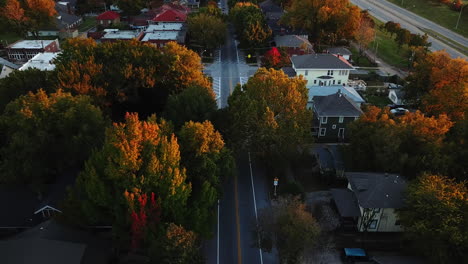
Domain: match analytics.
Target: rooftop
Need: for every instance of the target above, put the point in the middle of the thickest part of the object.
(346, 202)
(42, 61)
(377, 190)
(161, 35)
(338, 104)
(164, 26)
(108, 15)
(327, 90)
(8, 64)
(289, 71)
(121, 34)
(319, 61)
(339, 50)
(30, 44)
(291, 41)
(170, 15)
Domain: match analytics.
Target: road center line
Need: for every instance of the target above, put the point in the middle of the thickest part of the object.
(255, 205)
(239, 251)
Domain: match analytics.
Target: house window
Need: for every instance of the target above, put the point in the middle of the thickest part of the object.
(340, 119)
(331, 72)
(315, 81)
(306, 72)
(333, 81)
(339, 81)
(323, 131)
(373, 224)
(334, 126)
(324, 119)
(328, 72)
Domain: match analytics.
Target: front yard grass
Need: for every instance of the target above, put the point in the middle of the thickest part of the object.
(88, 23)
(360, 61)
(438, 13)
(387, 48)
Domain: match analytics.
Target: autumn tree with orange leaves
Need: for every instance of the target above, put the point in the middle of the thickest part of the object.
(435, 218)
(408, 144)
(29, 15)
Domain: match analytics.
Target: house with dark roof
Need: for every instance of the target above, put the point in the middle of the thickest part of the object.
(396, 94)
(371, 199)
(294, 44)
(350, 92)
(340, 51)
(7, 67)
(322, 69)
(170, 16)
(332, 114)
(108, 18)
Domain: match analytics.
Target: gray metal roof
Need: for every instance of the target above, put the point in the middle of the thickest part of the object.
(377, 190)
(293, 41)
(339, 50)
(320, 61)
(327, 90)
(9, 64)
(346, 202)
(337, 104)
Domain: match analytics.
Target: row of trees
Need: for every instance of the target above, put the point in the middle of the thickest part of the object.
(155, 180)
(250, 25)
(405, 37)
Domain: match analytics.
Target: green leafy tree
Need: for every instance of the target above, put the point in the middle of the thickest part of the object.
(403, 37)
(208, 161)
(435, 218)
(269, 114)
(324, 20)
(44, 135)
(193, 104)
(131, 7)
(250, 24)
(288, 227)
(21, 82)
(207, 30)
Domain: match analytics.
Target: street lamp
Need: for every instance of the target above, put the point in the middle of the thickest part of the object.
(458, 20)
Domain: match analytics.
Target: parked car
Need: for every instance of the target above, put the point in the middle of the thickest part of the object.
(354, 255)
(399, 111)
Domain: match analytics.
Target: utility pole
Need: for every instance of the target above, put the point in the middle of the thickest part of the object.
(459, 16)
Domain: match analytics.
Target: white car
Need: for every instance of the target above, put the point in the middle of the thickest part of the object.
(399, 111)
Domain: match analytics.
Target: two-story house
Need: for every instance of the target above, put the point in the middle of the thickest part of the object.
(322, 69)
(332, 114)
(370, 201)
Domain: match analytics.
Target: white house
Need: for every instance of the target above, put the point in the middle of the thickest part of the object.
(377, 195)
(322, 69)
(6, 68)
(396, 94)
(340, 51)
(42, 61)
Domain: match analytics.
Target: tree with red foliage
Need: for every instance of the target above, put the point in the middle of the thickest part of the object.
(143, 216)
(275, 58)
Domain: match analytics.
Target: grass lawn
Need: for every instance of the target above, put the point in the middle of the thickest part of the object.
(377, 100)
(438, 13)
(363, 61)
(387, 48)
(88, 23)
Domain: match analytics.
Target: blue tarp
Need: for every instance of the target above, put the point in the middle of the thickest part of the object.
(355, 252)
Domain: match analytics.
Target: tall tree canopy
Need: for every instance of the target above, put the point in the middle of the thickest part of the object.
(269, 113)
(407, 144)
(250, 24)
(129, 75)
(436, 217)
(44, 135)
(29, 15)
(207, 30)
(440, 84)
(324, 20)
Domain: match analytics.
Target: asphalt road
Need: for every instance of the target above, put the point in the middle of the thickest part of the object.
(386, 11)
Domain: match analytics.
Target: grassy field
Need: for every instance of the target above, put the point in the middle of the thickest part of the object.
(387, 48)
(88, 23)
(438, 13)
(363, 60)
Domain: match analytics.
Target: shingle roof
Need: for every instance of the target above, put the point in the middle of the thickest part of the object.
(319, 61)
(377, 190)
(293, 41)
(170, 16)
(327, 90)
(346, 202)
(108, 15)
(339, 50)
(270, 6)
(337, 104)
(289, 71)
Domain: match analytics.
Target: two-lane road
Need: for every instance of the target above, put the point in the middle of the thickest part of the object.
(386, 11)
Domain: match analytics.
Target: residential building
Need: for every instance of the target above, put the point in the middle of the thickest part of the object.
(112, 35)
(332, 114)
(322, 69)
(378, 195)
(350, 92)
(396, 94)
(370, 201)
(6, 68)
(24, 50)
(42, 61)
(329, 160)
(66, 23)
(161, 33)
(294, 44)
(340, 51)
(108, 18)
(169, 16)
